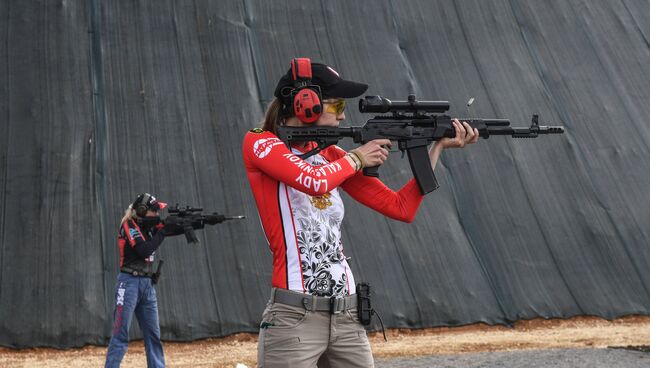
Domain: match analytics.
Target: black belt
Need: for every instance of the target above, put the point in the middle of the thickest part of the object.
(134, 272)
(313, 303)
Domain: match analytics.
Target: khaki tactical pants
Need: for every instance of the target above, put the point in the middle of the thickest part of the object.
(293, 337)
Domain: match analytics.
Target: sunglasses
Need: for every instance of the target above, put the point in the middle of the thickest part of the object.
(337, 107)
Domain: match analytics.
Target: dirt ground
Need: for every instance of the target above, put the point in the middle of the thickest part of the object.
(579, 332)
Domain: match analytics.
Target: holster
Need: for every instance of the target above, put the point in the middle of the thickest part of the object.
(156, 275)
(364, 306)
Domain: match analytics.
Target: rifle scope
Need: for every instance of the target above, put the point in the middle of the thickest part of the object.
(378, 104)
(179, 210)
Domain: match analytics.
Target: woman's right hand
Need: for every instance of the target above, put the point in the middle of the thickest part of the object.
(373, 153)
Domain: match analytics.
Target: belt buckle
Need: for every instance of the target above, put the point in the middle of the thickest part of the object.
(334, 305)
(135, 273)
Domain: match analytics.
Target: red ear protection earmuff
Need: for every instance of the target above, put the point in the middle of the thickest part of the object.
(305, 97)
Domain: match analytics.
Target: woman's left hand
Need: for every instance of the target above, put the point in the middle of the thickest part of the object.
(464, 135)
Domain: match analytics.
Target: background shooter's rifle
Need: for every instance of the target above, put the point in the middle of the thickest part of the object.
(414, 125)
(184, 220)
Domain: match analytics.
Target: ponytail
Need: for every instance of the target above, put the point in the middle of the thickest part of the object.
(129, 213)
(273, 117)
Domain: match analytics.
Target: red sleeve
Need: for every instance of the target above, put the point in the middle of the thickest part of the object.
(267, 153)
(372, 192)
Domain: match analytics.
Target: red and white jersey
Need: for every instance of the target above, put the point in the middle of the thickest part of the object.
(301, 210)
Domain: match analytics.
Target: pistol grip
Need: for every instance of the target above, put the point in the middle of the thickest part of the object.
(371, 171)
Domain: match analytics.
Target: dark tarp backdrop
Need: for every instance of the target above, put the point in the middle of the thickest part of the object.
(104, 99)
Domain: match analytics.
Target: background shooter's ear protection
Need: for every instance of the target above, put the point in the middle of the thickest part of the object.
(305, 97)
(141, 204)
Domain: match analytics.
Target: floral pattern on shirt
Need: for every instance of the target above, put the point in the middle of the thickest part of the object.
(318, 232)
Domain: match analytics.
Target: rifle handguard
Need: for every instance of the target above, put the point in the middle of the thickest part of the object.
(214, 219)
